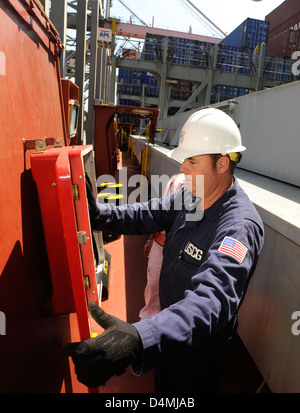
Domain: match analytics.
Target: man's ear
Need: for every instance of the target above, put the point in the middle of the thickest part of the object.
(223, 164)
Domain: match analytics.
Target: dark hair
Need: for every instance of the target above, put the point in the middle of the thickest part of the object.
(217, 156)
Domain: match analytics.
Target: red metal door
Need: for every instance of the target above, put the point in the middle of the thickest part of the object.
(60, 177)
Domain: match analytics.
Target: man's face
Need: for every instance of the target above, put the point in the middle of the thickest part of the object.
(200, 165)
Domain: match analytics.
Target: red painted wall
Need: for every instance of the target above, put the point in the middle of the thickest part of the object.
(31, 108)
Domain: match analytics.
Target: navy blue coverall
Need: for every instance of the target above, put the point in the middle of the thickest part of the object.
(208, 261)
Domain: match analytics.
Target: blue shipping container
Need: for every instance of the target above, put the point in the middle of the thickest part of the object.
(249, 34)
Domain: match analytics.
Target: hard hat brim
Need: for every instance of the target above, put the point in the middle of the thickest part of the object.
(181, 154)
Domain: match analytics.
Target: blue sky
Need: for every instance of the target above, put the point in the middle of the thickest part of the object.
(175, 15)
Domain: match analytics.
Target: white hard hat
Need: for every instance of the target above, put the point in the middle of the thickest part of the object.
(208, 131)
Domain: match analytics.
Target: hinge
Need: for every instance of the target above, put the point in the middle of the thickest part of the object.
(75, 192)
(57, 143)
(40, 145)
(82, 238)
(86, 282)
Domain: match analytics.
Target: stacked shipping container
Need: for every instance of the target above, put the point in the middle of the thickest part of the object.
(235, 55)
(221, 93)
(180, 51)
(248, 35)
(130, 82)
(284, 33)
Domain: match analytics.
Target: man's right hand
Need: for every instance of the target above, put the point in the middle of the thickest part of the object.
(92, 203)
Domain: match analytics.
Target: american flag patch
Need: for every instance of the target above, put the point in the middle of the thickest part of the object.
(236, 249)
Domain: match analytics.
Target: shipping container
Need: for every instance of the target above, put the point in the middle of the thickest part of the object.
(278, 69)
(284, 44)
(130, 82)
(180, 50)
(248, 34)
(221, 93)
(181, 90)
(285, 16)
(284, 25)
(234, 59)
(230, 58)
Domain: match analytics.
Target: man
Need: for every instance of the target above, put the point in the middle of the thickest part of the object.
(209, 258)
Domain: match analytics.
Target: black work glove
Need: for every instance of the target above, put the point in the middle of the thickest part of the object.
(98, 359)
(93, 209)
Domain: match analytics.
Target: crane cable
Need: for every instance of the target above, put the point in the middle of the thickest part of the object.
(190, 10)
(211, 22)
(122, 2)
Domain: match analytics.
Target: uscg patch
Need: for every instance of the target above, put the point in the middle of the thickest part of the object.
(193, 251)
(234, 248)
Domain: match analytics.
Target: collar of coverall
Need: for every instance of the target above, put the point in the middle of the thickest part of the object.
(217, 208)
